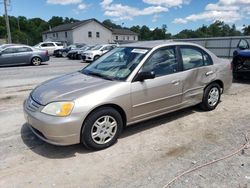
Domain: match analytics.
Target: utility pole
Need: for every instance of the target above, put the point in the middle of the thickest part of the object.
(7, 21)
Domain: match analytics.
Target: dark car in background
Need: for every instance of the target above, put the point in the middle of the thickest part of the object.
(241, 60)
(22, 54)
(64, 51)
(76, 53)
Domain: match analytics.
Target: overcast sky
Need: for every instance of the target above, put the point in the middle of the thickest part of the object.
(176, 14)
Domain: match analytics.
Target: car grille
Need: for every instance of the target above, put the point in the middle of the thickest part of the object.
(32, 105)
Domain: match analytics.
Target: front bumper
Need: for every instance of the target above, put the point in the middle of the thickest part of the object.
(54, 130)
(87, 57)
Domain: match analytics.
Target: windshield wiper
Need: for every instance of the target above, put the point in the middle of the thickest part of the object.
(99, 75)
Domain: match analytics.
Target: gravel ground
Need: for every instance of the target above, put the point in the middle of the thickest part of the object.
(148, 154)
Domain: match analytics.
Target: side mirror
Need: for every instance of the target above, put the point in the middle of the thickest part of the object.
(141, 76)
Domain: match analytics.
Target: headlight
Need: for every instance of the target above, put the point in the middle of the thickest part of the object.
(60, 109)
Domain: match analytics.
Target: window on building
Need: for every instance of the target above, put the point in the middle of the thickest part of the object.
(97, 34)
(127, 37)
(123, 37)
(66, 34)
(90, 34)
(56, 35)
(46, 36)
(116, 37)
(134, 38)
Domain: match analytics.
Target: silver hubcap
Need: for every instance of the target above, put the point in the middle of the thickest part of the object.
(213, 96)
(36, 61)
(104, 129)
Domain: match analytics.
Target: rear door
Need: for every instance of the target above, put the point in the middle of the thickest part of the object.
(49, 46)
(163, 93)
(197, 72)
(23, 54)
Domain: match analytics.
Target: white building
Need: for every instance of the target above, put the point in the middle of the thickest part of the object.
(90, 32)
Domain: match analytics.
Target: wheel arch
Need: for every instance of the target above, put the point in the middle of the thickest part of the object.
(34, 56)
(114, 106)
(219, 82)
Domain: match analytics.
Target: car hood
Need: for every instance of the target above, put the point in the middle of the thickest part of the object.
(244, 53)
(68, 87)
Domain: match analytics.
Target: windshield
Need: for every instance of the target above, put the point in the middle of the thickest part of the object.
(117, 64)
(98, 47)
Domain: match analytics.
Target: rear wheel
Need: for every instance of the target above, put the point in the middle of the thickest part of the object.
(211, 97)
(102, 128)
(64, 54)
(36, 61)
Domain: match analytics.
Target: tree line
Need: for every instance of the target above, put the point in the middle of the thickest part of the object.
(29, 31)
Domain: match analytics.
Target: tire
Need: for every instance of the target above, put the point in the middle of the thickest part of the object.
(36, 61)
(96, 57)
(211, 97)
(101, 128)
(64, 54)
(78, 56)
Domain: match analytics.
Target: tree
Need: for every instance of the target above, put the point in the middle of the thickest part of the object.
(246, 30)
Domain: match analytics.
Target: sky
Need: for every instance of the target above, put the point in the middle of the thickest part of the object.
(176, 14)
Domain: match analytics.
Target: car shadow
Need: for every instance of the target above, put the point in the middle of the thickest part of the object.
(242, 81)
(48, 150)
(158, 121)
(23, 65)
(60, 152)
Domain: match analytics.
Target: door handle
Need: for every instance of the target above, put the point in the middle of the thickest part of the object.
(176, 82)
(209, 73)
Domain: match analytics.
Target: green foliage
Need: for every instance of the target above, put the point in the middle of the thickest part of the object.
(29, 31)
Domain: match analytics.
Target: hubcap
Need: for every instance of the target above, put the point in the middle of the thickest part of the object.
(36, 61)
(104, 129)
(213, 96)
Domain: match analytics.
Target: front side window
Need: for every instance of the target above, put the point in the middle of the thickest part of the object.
(9, 51)
(243, 44)
(162, 62)
(118, 64)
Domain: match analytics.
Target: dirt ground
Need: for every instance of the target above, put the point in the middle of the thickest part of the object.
(148, 154)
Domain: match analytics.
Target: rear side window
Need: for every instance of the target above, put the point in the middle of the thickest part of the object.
(24, 49)
(193, 58)
(59, 44)
(47, 44)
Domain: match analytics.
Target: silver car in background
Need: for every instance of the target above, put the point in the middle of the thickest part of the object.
(129, 84)
(22, 54)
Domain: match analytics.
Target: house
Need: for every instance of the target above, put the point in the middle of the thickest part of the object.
(90, 32)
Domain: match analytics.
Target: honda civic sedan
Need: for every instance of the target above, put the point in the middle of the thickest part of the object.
(129, 84)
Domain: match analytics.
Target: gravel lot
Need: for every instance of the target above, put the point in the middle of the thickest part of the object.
(148, 154)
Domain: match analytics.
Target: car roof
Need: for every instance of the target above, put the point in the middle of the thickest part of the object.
(155, 43)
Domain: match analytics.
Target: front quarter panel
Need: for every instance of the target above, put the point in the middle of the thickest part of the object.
(117, 94)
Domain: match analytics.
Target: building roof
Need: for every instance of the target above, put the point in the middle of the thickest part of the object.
(71, 26)
(123, 32)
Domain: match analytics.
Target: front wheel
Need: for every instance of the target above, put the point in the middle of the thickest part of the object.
(211, 97)
(101, 128)
(36, 61)
(96, 57)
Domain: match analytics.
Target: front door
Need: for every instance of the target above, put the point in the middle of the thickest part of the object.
(163, 93)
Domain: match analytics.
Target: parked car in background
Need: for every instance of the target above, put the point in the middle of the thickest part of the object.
(97, 51)
(241, 60)
(64, 51)
(22, 54)
(129, 84)
(49, 46)
(76, 53)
